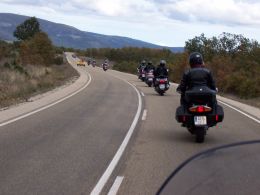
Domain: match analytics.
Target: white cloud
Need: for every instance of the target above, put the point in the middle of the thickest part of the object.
(226, 12)
(171, 22)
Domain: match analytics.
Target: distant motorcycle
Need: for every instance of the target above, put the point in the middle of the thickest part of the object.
(161, 84)
(93, 63)
(105, 66)
(149, 77)
(200, 112)
(141, 73)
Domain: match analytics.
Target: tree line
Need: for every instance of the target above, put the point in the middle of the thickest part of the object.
(233, 59)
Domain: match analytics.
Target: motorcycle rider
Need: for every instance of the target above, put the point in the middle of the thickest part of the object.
(161, 70)
(142, 65)
(149, 66)
(197, 75)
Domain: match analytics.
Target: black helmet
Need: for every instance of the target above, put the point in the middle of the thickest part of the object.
(143, 62)
(162, 63)
(150, 63)
(195, 59)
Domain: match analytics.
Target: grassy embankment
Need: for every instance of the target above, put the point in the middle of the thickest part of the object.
(19, 81)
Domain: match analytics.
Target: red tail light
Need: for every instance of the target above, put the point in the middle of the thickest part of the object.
(216, 117)
(200, 109)
(162, 81)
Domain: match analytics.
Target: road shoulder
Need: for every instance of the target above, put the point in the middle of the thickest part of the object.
(47, 98)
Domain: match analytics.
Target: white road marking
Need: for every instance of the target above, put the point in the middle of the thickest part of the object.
(47, 106)
(115, 187)
(245, 114)
(104, 178)
(144, 115)
(142, 94)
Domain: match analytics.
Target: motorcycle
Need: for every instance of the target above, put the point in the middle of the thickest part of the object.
(105, 66)
(149, 77)
(141, 74)
(94, 63)
(200, 112)
(161, 85)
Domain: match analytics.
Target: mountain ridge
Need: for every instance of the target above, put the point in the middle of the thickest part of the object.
(71, 37)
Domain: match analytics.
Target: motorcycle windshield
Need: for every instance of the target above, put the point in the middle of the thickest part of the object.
(231, 169)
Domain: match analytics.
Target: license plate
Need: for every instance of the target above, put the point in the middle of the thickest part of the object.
(150, 79)
(200, 120)
(162, 86)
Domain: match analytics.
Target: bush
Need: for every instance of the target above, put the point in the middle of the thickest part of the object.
(58, 60)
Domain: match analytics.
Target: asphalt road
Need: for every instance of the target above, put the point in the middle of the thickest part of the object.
(161, 144)
(65, 149)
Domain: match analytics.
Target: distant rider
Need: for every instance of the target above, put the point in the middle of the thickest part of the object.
(197, 75)
(161, 69)
(149, 67)
(142, 65)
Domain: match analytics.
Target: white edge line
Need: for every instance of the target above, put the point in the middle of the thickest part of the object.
(47, 106)
(115, 187)
(104, 178)
(247, 115)
(144, 115)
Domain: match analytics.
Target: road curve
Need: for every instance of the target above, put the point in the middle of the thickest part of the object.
(66, 148)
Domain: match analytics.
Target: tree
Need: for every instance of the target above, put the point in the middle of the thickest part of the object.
(37, 50)
(27, 29)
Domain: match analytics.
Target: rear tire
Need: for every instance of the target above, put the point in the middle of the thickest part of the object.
(150, 84)
(200, 135)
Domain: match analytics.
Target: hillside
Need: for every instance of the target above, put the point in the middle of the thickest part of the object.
(67, 36)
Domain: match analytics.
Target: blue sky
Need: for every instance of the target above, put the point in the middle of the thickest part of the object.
(164, 22)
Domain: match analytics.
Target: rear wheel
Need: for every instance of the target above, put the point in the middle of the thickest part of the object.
(200, 135)
(150, 84)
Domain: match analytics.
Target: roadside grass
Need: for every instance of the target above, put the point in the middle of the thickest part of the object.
(19, 84)
(250, 101)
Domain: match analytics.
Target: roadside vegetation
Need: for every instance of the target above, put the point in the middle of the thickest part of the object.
(30, 65)
(233, 59)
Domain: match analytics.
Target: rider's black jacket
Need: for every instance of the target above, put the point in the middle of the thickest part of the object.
(197, 76)
(149, 67)
(160, 71)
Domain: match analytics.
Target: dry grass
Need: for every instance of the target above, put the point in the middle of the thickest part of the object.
(18, 86)
(251, 101)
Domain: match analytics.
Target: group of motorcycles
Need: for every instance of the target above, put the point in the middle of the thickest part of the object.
(201, 111)
(104, 66)
(161, 83)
